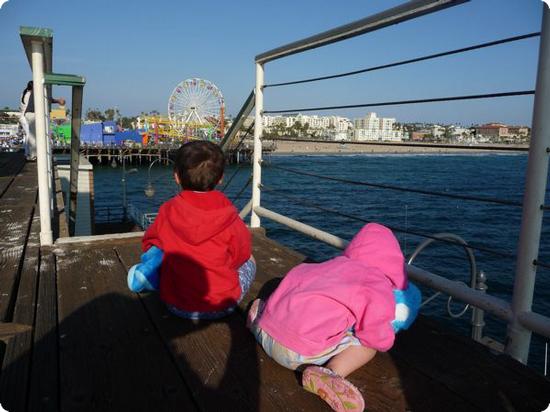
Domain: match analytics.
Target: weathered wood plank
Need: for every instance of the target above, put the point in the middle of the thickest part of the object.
(125, 365)
(10, 165)
(469, 369)
(16, 209)
(10, 329)
(221, 362)
(15, 367)
(14, 227)
(23, 189)
(44, 382)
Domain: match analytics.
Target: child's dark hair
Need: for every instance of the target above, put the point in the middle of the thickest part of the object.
(199, 165)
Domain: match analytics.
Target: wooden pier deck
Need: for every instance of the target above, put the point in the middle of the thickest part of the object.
(96, 346)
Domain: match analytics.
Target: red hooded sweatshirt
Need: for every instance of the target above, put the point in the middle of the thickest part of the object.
(204, 243)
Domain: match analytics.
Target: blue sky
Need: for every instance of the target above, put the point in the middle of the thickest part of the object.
(134, 53)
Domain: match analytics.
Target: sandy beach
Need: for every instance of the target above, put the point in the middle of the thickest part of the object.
(286, 147)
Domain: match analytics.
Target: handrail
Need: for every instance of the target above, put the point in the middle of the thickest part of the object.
(477, 314)
(458, 290)
(246, 209)
(238, 122)
(395, 15)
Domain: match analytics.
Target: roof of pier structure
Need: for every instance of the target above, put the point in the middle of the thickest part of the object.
(43, 35)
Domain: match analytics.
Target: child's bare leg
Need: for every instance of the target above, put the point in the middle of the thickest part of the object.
(350, 360)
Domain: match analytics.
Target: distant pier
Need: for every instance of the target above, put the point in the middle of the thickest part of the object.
(104, 155)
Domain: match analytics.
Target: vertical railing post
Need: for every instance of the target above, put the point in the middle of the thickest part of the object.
(257, 158)
(478, 315)
(123, 181)
(518, 337)
(44, 195)
(76, 113)
(49, 153)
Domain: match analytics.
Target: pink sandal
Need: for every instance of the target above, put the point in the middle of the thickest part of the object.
(341, 395)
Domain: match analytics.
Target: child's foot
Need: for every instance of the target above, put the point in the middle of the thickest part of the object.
(341, 395)
(255, 308)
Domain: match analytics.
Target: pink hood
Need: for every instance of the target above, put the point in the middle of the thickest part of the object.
(317, 304)
(376, 246)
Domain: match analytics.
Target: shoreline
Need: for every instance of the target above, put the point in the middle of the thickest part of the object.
(287, 147)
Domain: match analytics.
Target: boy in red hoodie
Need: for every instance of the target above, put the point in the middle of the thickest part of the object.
(207, 266)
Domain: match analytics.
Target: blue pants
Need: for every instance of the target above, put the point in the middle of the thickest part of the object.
(247, 274)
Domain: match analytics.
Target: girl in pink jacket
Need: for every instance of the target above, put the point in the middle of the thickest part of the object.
(338, 313)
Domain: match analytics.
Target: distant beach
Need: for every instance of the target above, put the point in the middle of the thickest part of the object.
(288, 147)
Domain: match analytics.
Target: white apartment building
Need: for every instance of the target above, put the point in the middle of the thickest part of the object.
(373, 128)
(459, 133)
(334, 127)
(438, 131)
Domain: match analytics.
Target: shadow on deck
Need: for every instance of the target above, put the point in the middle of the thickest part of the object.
(97, 346)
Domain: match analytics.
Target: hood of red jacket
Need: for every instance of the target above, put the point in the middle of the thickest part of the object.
(196, 225)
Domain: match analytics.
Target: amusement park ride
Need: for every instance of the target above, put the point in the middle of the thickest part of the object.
(195, 111)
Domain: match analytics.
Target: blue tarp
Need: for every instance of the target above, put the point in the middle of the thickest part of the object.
(91, 133)
(132, 135)
(107, 134)
(109, 140)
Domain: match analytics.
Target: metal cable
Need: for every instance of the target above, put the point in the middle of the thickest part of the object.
(239, 166)
(245, 135)
(409, 61)
(308, 203)
(231, 178)
(243, 189)
(402, 189)
(404, 102)
(541, 264)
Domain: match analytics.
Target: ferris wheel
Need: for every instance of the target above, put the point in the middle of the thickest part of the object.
(196, 107)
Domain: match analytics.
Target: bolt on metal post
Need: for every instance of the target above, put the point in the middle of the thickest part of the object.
(478, 315)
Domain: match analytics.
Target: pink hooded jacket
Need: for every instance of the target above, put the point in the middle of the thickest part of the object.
(316, 304)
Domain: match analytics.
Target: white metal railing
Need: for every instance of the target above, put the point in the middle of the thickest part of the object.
(518, 314)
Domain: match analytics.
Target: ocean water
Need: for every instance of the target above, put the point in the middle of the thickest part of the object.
(490, 226)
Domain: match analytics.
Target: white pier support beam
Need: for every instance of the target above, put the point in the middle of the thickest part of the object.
(257, 159)
(44, 194)
(518, 337)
